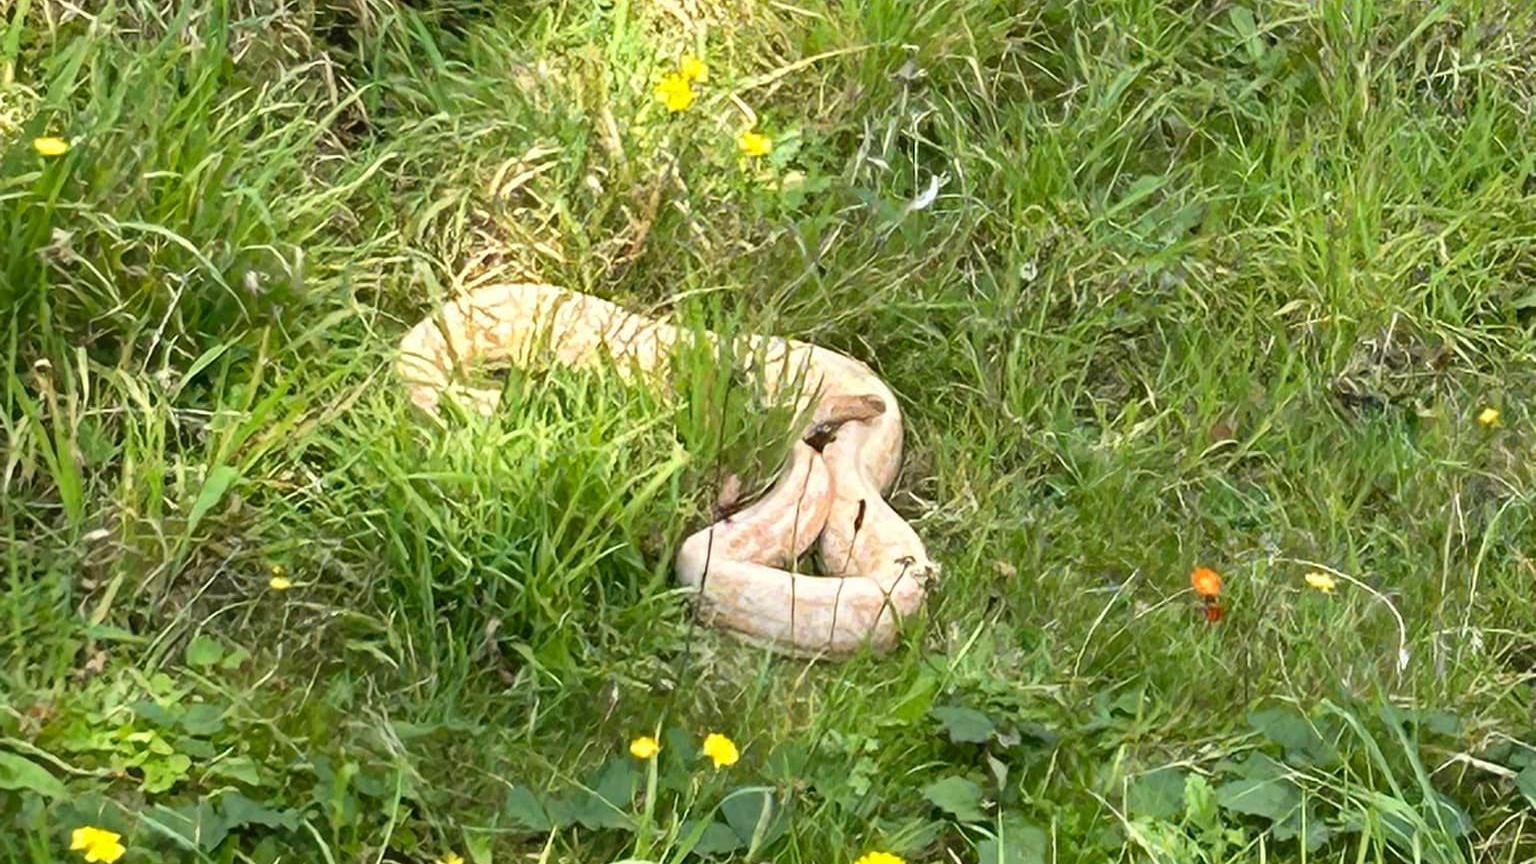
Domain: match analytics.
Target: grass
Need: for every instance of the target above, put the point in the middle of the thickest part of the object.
(1204, 284)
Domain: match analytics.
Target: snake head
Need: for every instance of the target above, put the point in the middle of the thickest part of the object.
(822, 434)
(838, 410)
(847, 409)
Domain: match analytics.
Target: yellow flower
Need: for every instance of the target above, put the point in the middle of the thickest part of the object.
(692, 68)
(279, 583)
(98, 844)
(1322, 581)
(1489, 416)
(644, 747)
(754, 144)
(720, 749)
(50, 146)
(880, 858)
(675, 91)
(450, 858)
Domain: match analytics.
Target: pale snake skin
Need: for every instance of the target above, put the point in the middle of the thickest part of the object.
(877, 570)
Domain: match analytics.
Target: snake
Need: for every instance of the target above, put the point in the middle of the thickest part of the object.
(743, 567)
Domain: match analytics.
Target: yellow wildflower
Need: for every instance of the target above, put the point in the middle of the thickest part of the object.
(692, 68)
(880, 858)
(720, 749)
(50, 146)
(450, 858)
(279, 581)
(675, 91)
(644, 747)
(1322, 581)
(754, 144)
(1489, 416)
(98, 844)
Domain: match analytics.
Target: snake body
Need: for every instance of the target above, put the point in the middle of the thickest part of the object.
(830, 494)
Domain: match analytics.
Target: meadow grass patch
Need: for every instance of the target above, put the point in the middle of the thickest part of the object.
(1160, 286)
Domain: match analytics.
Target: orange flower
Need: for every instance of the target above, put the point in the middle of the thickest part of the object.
(1207, 582)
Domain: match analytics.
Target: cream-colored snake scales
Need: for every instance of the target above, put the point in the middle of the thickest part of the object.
(830, 494)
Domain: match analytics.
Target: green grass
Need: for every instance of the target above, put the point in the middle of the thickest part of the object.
(1219, 284)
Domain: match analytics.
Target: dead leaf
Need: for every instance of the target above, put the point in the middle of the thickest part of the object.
(36, 717)
(493, 649)
(93, 666)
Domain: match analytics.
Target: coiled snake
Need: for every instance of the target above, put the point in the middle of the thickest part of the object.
(830, 493)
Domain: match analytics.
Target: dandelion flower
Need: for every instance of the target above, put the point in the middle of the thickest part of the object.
(1489, 416)
(754, 144)
(1206, 582)
(450, 858)
(50, 146)
(644, 747)
(97, 844)
(1321, 581)
(879, 858)
(692, 68)
(675, 91)
(721, 750)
